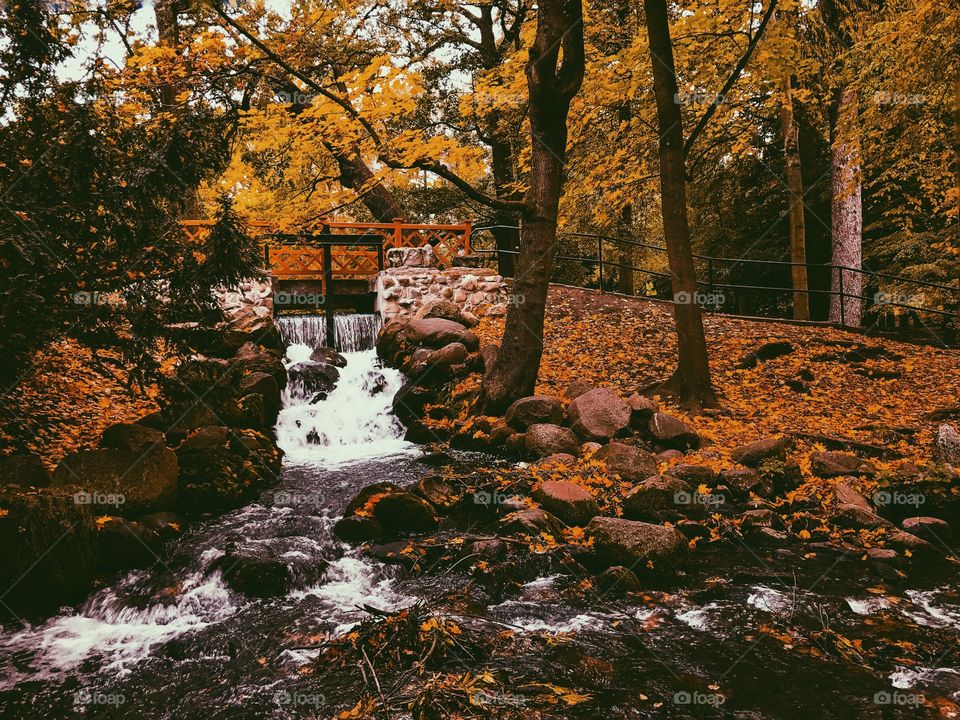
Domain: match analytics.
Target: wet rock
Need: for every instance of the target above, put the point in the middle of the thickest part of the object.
(660, 498)
(251, 358)
(125, 544)
(138, 482)
(642, 410)
(847, 495)
(693, 474)
(404, 512)
(50, 549)
(576, 389)
(435, 333)
(264, 385)
(571, 503)
(618, 580)
(637, 545)
(933, 530)
(856, 517)
(755, 453)
(917, 547)
(489, 550)
(670, 432)
(946, 447)
(589, 449)
(312, 378)
(410, 400)
(443, 360)
(26, 470)
(534, 410)
(746, 481)
(132, 437)
(881, 554)
(836, 464)
(355, 529)
(251, 330)
(532, 521)
(269, 568)
(435, 490)
(329, 356)
(543, 439)
(366, 494)
(757, 518)
(630, 463)
(515, 445)
(167, 525)
(499, 434)
(767, 351)
(598, 415)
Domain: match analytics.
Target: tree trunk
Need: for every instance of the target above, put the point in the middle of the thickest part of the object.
(355, 174)
(514, 372)
(798, 236)
(506, 237)
(691, 380)
(846, 211)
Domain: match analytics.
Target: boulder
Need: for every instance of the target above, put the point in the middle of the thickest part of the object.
(835, 464)
(637, 545)
(855, 517)
(251, 358)
(755, 453)
(445, 358)
(933, 530)
(598, 415)
(264, 385)
(946, 448)
(533, 410)
(26, 470)
(693, 474)
(435, 333)
(571, 503)
(642, 410)
(746, 481)
(556, 459)
(543, 439)
(366, 493)
(576, 389)
(618, 580)
(270, 568)
(355, 529)
(630, 463)
(404, 512)
(532, 521)
(167, 525)
(329, 356)
(436, 491)
(132, 437)
(125, 545)
(410, 400)
(918, 548)
(50, 549)
(845, 494)
(129, 482)
(661, 498)
(312, 378)
(251, 329)
(442, 309)
(670, 432)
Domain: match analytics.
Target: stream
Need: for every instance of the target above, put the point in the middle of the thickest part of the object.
(748, 633)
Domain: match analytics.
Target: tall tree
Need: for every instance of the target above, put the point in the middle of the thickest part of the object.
(846, 216)
(794, 173)
(552, 83)
(691, 380)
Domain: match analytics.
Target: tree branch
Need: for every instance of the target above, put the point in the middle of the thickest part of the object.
(734, 76)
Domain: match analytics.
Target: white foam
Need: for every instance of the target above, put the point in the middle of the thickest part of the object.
(575, 624)
(935, 613)
(697, 617)
(868, 605)
(770, 600)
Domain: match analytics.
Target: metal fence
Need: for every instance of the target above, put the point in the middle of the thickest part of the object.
(748, 288)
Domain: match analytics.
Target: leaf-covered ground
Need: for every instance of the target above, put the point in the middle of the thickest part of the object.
(828, 385)
(65, 400)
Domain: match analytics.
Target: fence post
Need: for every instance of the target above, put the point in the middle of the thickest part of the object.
(397, 232)
(328, 295)
(710, 275)
(600, 259)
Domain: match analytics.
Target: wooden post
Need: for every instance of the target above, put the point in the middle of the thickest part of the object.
(397, 232)
(600, 260)
(328, 295)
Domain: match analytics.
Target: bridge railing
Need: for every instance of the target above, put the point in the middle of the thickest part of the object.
(749, 288)
(290, 260)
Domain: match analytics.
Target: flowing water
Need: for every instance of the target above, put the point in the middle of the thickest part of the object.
(745, 634)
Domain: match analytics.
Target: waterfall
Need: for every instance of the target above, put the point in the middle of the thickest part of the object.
(355, 419)
(352, 332)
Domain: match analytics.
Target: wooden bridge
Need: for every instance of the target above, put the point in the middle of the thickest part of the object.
(292, 256)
